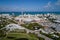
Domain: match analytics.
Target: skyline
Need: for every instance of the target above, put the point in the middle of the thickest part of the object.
(30, 5)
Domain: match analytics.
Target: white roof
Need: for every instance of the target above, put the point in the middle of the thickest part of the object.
(27, 19)
(13, 26)
(57, 21)
(36, 19)
(17, 18)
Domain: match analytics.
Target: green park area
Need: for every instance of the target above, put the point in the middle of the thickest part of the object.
(4, 35)
(32, 26)
(20, 36)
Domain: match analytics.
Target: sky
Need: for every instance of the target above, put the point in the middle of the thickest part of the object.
(30, 5)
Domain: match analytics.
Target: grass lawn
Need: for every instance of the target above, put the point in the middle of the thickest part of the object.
(14, 36)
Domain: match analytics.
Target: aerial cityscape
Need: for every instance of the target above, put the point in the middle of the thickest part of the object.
(29, 19)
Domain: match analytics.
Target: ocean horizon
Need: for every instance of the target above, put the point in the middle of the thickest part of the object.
(32, 13)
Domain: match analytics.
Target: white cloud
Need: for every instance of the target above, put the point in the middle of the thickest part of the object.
(48, 5)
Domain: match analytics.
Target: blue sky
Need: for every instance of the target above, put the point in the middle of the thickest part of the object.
(30, 5)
